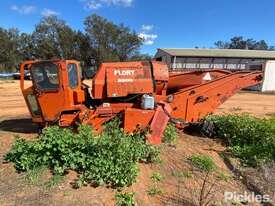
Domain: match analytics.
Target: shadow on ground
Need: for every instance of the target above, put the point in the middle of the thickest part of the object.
(19, 126)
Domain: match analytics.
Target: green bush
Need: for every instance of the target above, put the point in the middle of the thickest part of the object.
(109, 158)
(125, 199)
(170, 134)
(249, 138)
(203, 162)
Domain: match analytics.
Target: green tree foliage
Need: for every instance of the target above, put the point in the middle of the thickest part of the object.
(111, 42)
(26, 47)
(52, 37)
(140, 57)
(127, 42)
(85, 51)
(239, 42)
(9, 54)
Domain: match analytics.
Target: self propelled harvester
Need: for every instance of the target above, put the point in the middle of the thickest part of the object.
(143, 94)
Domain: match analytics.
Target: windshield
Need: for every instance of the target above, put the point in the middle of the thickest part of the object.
(45, 76)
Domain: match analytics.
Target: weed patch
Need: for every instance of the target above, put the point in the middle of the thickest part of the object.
(156, 177)
(203, 162)
(109, 158)
(223, 177)
(249, 138)
(125, 199)
(33, 176)
(154, 190)
(170, 134)
(54, 181)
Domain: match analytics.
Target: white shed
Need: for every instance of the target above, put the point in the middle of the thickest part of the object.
(269, 77)
(183, 59)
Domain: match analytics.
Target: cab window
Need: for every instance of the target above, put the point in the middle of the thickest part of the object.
(45, 76)
(73, 75)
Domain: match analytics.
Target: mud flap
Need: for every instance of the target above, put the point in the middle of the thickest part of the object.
(159, 123)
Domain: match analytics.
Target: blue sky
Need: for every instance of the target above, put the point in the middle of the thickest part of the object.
(174, 23)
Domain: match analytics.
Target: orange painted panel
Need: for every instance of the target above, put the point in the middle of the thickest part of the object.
(160, 71)
(125, 80)
(158, 124)
(137, 118)
(186, 79)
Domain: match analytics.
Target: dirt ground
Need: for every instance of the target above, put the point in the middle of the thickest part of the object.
(180, 185)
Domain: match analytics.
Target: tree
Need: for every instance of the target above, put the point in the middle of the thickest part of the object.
(140, 57)
(83, 50)
(127, 43)
(100, 34)
(111, 42)
(9, 54)
(239, 42)
(262, 45)
(52, 37)
(4, 41)
(26, 47)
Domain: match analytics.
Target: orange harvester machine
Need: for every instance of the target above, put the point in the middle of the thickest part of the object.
(143, 94)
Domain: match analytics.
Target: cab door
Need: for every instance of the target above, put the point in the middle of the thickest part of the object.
(47, 83)
(74, 93)
(28, 93)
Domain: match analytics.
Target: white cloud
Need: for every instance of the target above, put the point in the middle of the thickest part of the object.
(48, 12)
(147, 28)
(25, 9)
(93, 5)
(119, 2)
(147, 35)
(96, 4)
(148, 39)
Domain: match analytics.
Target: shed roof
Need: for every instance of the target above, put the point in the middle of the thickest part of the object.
(229, 53)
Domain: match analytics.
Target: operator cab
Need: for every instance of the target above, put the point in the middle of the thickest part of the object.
(56, 88)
